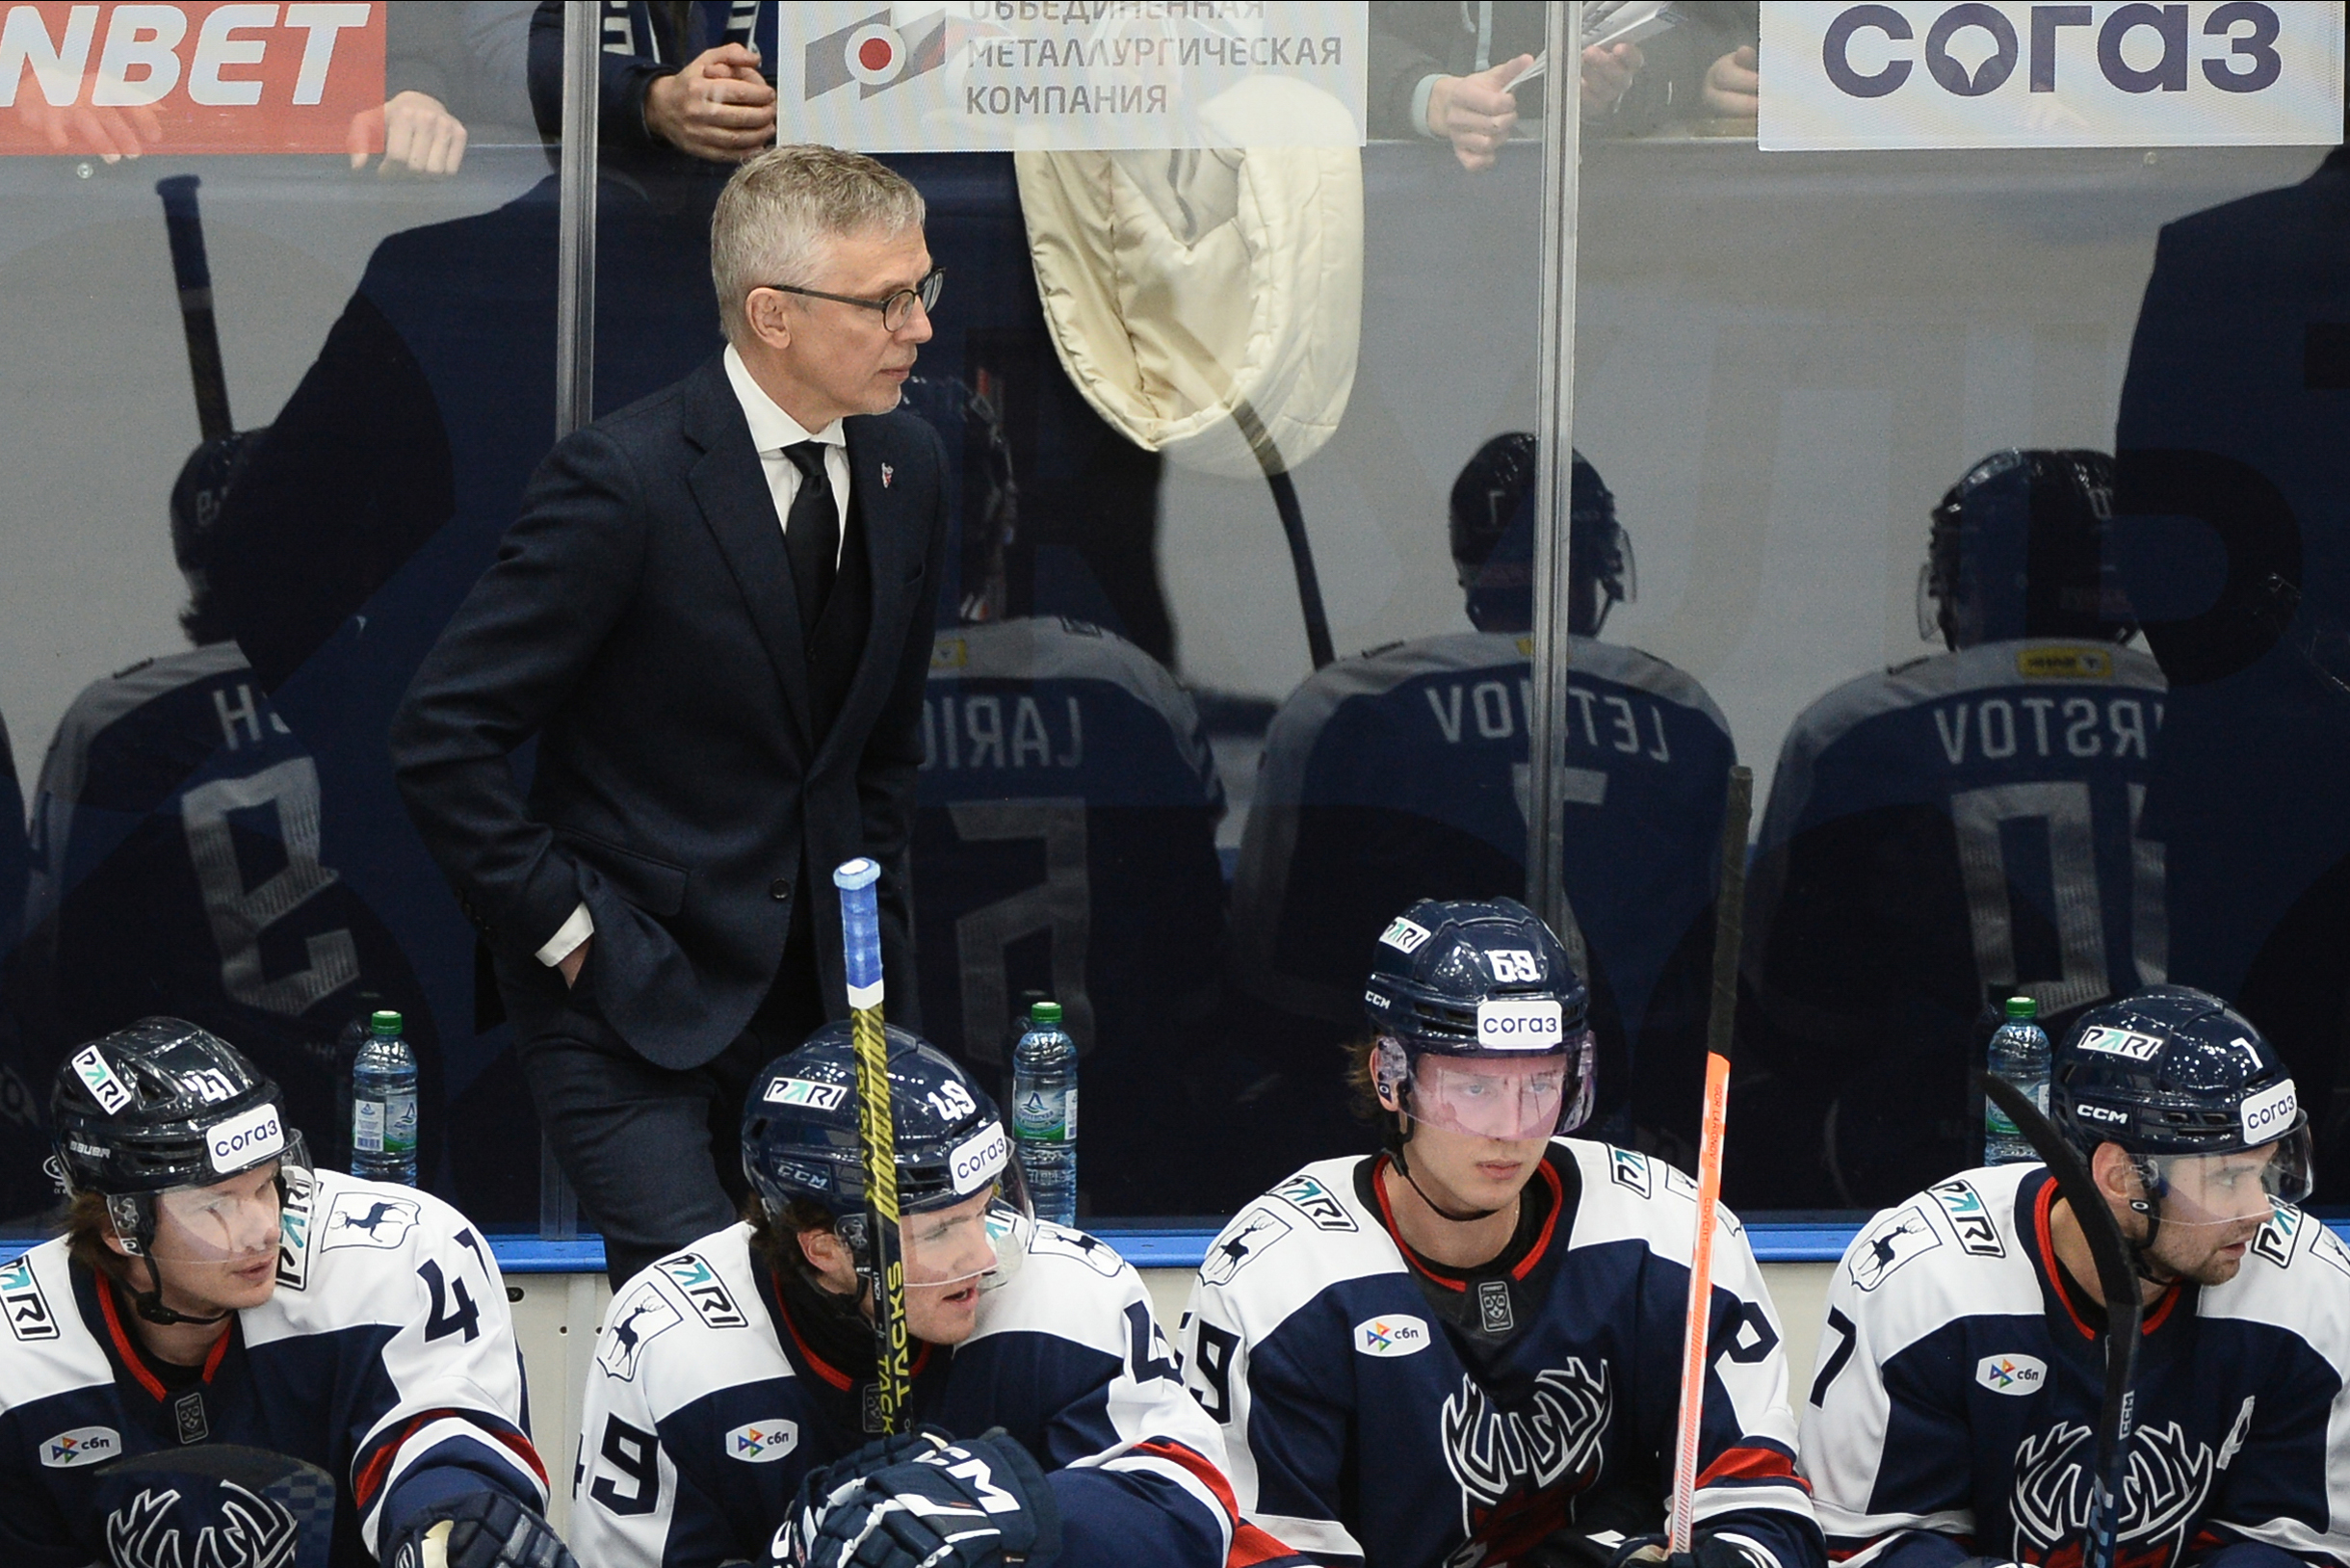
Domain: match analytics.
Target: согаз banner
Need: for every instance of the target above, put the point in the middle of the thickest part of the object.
(2016, 75)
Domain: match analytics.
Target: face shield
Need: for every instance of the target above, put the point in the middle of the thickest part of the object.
(979, 1233)
(1510, 1098)
(232, 1220)
(2228, 1190)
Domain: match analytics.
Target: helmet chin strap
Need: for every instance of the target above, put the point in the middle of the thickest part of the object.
(1404, 1130)
(148, 1303)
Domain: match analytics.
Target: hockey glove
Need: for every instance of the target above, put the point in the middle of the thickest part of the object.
(481, 1529)
(981, 1503)
(834, 1485)
(1706, 1551)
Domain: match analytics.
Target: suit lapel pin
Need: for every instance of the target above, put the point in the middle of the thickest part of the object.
(887, 473)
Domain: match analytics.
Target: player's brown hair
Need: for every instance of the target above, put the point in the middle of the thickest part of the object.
(88, 1225)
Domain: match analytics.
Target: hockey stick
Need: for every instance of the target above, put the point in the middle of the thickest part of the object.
(878, 1135)
(1729, 925)
(1277, 479)
(2119, 1283)
(183, 224)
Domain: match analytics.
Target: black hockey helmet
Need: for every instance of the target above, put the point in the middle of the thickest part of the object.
(2017, 550)
(2170, 1070)
(199, 497)
(1477, 979)
(1493, 540)
(162, 1104)
(2181, 1082)
(800, 1142)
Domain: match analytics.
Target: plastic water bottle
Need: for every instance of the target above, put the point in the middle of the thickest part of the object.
(2020, 1055)
(383, 1104)
(1044, 1113)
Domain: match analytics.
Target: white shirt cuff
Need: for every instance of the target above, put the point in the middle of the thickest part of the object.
(1419, 107)
(568, 937)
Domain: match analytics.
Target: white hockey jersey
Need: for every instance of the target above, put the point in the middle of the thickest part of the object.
(385, 1357)
(1960, 1379)
(709, 1403)
(1380, 1411)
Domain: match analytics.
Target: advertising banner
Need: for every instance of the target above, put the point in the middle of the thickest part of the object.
(1934, 74)
(1071, 75)
(191, 78)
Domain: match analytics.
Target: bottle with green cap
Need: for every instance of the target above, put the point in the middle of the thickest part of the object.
(2019, 1054)
(1044, 1113)
(383, 1104)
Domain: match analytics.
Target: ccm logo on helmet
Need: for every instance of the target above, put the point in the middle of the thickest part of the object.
(1519, 1024)
(2269, 1112)
(978, 1158)
(246, 1141)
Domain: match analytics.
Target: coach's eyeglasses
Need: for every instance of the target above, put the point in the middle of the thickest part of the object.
(895, 310)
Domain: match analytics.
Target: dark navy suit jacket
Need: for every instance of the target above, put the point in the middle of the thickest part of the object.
(639, 621)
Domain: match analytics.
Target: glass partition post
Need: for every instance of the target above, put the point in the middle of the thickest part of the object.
(575, 282)
(1554, 417)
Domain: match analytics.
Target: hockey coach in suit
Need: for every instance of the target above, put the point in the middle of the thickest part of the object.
(715, 617)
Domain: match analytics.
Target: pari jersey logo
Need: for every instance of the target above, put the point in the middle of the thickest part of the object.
(761, 1442)
(2018, 1374)
(1396, 1335)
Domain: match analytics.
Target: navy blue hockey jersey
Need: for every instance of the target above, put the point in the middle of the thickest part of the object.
(385, 1357)
(1960, 1382)
(707, 1405)
(1377, 1413)
(1940, 836)
(1402, 774)
(1065, 847)
(177, 870)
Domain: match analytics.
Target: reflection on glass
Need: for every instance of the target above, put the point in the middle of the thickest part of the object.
(1946, 833)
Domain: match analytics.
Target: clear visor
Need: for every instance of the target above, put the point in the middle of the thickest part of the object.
(234, 1221)
(2230, 1189)
(948, 1248)
(1492, 1097)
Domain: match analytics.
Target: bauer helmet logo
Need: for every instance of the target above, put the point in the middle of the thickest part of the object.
(1405, 936)
(2268, 1113)
(1519, 1024)
(246, 1141)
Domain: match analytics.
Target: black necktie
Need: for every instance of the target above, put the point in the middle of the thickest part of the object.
(812, 534)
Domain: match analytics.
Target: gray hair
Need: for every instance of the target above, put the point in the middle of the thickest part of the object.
(778, 215)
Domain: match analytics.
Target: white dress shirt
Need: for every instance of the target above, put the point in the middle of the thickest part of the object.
(771, 430)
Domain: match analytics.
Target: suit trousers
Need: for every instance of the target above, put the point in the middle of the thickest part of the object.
(656, 1153)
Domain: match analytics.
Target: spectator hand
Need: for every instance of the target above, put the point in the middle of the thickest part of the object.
(112, 134)
(1607, 71)
(1476, 113)
(417, 132)
(1733, 87)
(717, 108)
(571, 964)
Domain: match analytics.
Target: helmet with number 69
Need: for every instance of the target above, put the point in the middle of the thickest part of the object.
(1483, 981)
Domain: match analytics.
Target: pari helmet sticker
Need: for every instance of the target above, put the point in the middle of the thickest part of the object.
(1521, 1024)
(243, 1142)
(2107, 1040)
(1406, 936)
(801, 1091)
(979, 1159)
(2268, 1113)
(91, 1067)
